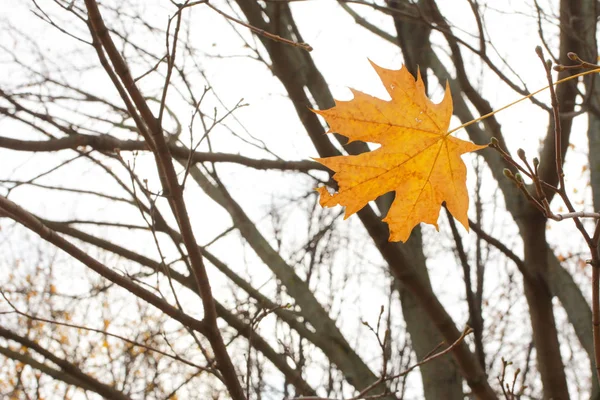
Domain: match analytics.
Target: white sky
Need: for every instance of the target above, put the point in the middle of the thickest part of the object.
(341, 52)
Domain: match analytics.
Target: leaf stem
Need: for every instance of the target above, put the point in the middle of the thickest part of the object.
(593, 71)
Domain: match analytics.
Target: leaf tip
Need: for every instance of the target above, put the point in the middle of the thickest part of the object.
(325, 195)
(397, 237)
(375, 66)
(318, 112)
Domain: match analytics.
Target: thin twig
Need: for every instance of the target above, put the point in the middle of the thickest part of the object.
(86, 328)
(426, 360)
(262, 32)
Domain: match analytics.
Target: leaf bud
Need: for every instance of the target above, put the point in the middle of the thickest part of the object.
(521, 154)
(536, 162)
(572, 56)
(519, 177)
(538, 51)
(548, 64)
(494, 142)
(558, 68)
(507, 173)
(306, 46)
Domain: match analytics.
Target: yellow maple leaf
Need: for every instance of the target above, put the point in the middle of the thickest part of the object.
(418, 159)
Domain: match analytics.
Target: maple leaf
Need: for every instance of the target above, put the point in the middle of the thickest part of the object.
(418, 159)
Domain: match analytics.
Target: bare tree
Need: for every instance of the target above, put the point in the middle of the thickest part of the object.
(161, 241)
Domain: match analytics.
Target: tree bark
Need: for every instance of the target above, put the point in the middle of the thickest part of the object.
(440, 379)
